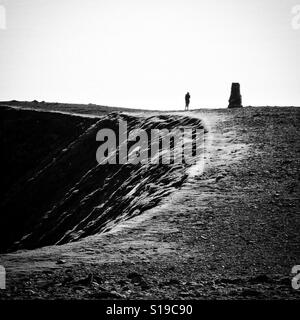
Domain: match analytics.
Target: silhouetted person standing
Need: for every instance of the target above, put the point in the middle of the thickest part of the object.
(187, 101)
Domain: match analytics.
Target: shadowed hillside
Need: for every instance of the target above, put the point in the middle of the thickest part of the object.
(54, 190)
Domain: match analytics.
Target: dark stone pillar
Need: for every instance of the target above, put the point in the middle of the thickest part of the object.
(235, 100)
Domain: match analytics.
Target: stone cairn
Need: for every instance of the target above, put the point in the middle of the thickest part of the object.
(235, 100)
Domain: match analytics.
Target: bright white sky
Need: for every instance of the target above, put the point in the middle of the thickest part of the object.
(148, 53)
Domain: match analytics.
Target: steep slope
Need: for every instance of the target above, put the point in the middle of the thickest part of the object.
(68, 195)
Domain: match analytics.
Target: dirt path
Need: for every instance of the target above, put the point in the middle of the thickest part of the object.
(229, 232)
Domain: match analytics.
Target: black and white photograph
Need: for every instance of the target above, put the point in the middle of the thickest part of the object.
(150, 151)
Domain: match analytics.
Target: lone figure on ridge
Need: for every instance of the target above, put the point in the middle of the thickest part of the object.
(187, 101)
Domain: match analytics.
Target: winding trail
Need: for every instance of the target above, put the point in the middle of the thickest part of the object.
(142, 233)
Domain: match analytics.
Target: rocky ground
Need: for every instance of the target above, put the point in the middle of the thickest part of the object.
(230, 232)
